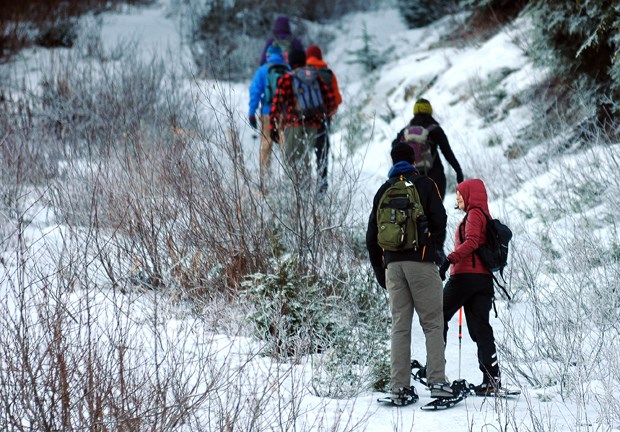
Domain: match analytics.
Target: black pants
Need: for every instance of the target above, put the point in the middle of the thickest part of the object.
(321, 150)
(475, 293)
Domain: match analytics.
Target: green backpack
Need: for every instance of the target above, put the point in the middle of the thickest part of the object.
(400, 217)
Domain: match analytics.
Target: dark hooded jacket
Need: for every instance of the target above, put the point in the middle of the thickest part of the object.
(433, 209)
(438, 140)
(471, 232)
(282, 32)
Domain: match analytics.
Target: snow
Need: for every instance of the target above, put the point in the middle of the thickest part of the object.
(444, 75)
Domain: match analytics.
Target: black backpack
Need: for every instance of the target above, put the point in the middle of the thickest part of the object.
(494, 253)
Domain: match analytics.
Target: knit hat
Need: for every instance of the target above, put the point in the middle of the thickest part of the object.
(296, 58)
(402, 152)
(274, 49)
(422, 106)
(281, 27)
(314, 51)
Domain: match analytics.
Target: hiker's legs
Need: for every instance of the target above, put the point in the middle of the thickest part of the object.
(477, 310)
(401, 305)
(297, 142)
(426, 291)
(321, 149)
(265, 145)
(454, 296)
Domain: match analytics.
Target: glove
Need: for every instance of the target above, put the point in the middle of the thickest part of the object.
(443, 269)
(459, 177)
(253, 121)
(380, 275)
(441, 258)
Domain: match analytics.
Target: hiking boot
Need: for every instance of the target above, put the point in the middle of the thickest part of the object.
(488, 387)
(404, 396)
(441, 390)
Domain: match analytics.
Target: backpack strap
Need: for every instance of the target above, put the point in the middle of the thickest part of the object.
(501, 272)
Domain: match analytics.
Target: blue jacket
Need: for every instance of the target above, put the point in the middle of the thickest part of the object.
(257, 88)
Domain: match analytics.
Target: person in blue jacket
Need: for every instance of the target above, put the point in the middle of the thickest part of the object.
(261, 94)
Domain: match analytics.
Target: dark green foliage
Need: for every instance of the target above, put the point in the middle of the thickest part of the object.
(419, 13)
(582, 38)
(297, 313)
(368, 55)
(62, 35)
(292, 310)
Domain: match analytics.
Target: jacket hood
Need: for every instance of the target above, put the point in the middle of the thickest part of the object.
(315, 62)
(401, 167)
(282, 28)
(275, 59)
(474, 195)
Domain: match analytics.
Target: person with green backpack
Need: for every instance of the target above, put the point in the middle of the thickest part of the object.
(405, 237)
(262, 90)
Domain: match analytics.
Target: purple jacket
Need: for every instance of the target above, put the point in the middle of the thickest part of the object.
(282, 33)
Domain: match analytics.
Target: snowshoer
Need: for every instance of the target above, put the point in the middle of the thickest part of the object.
(471, 284)
(413, 284)
(283, 37)
(262, 90)
(423, 116)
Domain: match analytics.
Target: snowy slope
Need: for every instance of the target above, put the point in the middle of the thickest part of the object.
(447, 77)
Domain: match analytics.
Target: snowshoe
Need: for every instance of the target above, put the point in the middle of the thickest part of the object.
(401, 397)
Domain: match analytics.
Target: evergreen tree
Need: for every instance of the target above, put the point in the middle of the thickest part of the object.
(368, 56)
(583, 37)
(419, 13)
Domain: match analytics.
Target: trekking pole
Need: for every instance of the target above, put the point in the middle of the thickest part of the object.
(460, 336)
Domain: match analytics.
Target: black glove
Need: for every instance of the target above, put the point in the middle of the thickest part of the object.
(440, 258)
(459, 177)
(253, 123)
(380, 275)
(443, 269)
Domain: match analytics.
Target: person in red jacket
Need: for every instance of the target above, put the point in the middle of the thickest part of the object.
(471, 284)
(314, 58)
(295, 131)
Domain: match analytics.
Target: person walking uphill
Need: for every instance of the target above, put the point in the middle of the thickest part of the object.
(423, 128)
(314, 58)
(411, 277)
(262, 90)
(283, 37)
(471, 284)
(299, 109)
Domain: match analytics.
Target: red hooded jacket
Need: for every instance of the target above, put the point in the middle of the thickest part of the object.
(470, 235)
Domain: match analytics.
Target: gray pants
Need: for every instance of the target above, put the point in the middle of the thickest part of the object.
(298, 142)
(416, 285)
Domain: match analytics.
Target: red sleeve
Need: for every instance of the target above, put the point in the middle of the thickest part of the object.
(474, 236)
(328, 97)
(277, 106)
(336, 91)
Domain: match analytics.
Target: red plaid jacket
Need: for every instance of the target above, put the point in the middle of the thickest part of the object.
(283, 113)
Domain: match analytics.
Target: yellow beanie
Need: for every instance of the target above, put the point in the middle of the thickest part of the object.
(422, 106)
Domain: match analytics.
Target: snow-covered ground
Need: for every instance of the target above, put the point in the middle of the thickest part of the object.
(445, 75)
